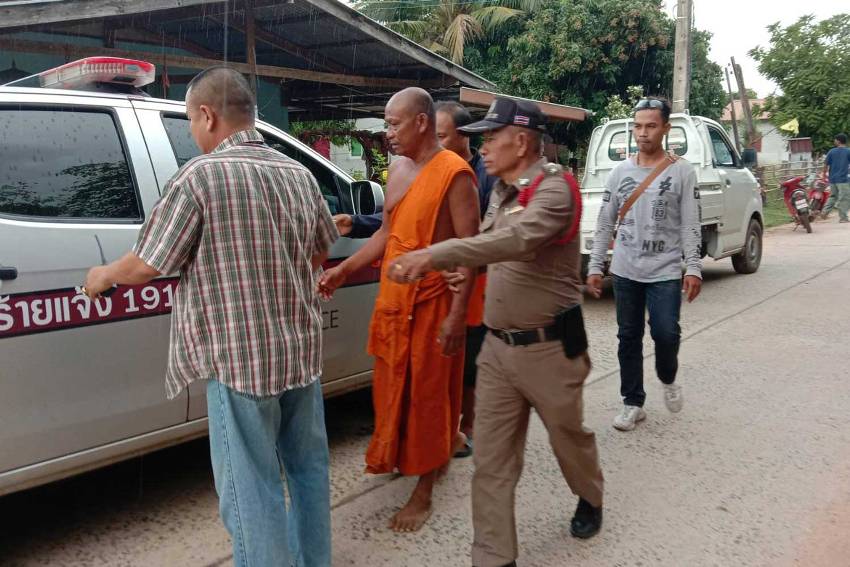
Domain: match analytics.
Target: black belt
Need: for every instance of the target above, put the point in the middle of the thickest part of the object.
(529, 337)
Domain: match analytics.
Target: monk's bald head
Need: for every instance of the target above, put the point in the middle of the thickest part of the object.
(412, 101)
(225, 91)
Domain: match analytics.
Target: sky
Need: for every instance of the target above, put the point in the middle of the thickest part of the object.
(740, 25)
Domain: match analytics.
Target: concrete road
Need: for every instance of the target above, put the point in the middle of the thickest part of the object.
(755, 471)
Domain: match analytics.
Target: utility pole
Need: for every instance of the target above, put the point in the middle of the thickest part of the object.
(682, 61)
(745, 103)
(734, 113)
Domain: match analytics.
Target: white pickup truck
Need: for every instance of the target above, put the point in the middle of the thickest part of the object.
(730, 203)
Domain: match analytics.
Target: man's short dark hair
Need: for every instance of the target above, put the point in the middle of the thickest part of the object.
(658, 103)
(225, 90)
(841, 138)
(460, 115)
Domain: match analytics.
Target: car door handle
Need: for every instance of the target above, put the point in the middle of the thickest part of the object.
(8, 273)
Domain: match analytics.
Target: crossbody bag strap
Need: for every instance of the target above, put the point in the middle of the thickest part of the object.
(659, 169)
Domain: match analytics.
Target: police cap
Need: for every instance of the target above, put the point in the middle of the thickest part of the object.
(509, 112)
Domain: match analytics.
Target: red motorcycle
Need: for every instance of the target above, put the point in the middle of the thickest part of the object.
(818, 195)
(795, 199)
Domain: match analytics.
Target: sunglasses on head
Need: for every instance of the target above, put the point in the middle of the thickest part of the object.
(649, 103)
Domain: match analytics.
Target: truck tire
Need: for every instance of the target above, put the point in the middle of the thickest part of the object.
(747, 261)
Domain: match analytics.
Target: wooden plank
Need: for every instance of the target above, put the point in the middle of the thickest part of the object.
(388, 37)
(68, 11)
(251, 44)
(286, 46)
(552, 111)
(78, 51)
(346, 43)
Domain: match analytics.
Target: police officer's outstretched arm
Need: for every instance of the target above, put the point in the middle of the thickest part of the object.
(542, 222)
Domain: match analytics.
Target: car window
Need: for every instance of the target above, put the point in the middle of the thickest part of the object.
(177, 128)
(723, 154)
(332, 186)
(676, 141)
(64, 163)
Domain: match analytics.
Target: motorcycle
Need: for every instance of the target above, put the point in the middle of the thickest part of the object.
(818, 195)
(794, 195)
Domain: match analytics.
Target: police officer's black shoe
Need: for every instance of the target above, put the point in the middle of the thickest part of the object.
(587, 520)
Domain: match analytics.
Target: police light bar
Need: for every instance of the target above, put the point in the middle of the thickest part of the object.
(114, 70)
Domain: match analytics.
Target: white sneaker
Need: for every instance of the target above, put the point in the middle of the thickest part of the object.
(673, 397)
(629, 417)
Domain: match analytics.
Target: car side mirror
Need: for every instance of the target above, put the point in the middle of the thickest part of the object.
(750, 157)
(368, 197)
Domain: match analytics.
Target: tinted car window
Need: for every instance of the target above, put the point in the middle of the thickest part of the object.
(330, 184)
(675, 141)
(723, 155)
(64, 163)
(185, 148)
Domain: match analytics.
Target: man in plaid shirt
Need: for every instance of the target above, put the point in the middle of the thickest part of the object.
(247, 228)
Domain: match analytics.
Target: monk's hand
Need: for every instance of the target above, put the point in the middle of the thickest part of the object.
(331, 280)
(452, 334)
(410, 267)
(453, 279)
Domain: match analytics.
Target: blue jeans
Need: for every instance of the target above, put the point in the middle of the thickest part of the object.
(663, 300)
(253, 440)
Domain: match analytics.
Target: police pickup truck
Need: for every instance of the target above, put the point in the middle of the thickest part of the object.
(84, 156)
(730, 200)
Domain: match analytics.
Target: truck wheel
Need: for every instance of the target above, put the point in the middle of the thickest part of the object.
(747, 261)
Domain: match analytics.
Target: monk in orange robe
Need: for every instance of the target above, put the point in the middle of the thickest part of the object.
(418, 331)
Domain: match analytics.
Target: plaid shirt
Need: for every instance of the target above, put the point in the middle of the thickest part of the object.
(241, 225)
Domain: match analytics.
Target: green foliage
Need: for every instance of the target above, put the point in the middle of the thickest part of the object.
(447, 27)
(583, 52)
(334, 130)
(751, 94)
(380, 164)
(809, 61)
(618, 108)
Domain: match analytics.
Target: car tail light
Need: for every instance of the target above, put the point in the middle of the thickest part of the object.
(114, 70)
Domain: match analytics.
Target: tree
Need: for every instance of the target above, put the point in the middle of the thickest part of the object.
(618, 108)
(447, 26)
(809, 61)
(751, 94)
(583, 52)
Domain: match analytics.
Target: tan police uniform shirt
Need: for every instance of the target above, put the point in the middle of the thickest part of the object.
(531, 277)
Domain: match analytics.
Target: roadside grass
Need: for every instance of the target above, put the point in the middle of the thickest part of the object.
(775, 212)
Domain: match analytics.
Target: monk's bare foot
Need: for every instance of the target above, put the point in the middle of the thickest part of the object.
(457, 444)
(418, 509)
(412, 517)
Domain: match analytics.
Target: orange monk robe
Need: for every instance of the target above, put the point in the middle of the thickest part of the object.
(416, 391)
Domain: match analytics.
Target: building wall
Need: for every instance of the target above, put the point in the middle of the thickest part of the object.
(774, 148)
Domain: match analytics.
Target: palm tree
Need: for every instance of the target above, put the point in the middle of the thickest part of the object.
(446, 26)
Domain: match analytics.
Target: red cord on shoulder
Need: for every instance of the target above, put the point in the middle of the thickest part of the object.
(527, 194)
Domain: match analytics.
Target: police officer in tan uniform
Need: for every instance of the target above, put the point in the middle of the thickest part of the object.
(535, 353)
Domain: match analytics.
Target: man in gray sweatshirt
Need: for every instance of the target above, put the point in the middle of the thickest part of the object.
(661, 228)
